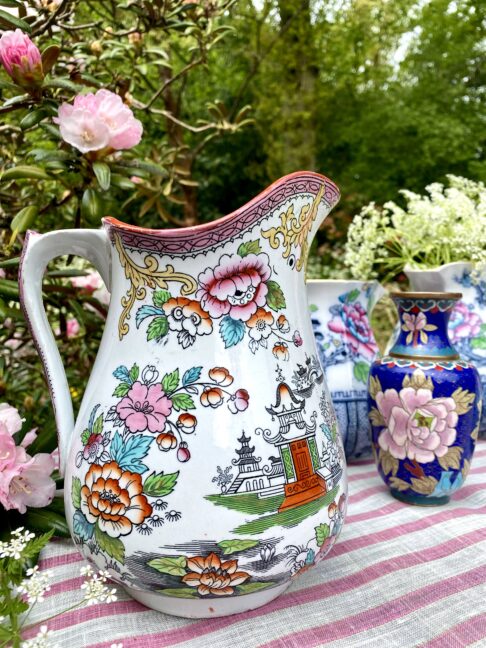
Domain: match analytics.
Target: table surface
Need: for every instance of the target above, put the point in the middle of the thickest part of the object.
(399, 576)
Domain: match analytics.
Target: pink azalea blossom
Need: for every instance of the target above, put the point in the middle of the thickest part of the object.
(72, 327)
(354, 328)
(28, 482)
(21, 58)
(235, 287)
(8, 449)
(239, 401)
(96, 121)
(10, 418)
(418, 426)
(145, 407)
(464, 323)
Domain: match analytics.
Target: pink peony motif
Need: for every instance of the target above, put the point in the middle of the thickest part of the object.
(21, 58)
(239, 401)
(464, 323)
(10, 418)
(354, 328)
(96, 121)
(235, 287)
(145, 407)
(418, 426)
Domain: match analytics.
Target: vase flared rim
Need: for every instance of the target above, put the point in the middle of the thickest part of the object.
(425, 295)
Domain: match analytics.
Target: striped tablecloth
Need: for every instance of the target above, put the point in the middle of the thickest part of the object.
(399, 576)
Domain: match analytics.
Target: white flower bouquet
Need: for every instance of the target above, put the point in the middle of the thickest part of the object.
(447, 224)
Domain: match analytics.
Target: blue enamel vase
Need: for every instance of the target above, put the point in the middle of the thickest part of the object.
(424, 404)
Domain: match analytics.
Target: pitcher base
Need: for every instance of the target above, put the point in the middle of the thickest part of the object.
(205, 608)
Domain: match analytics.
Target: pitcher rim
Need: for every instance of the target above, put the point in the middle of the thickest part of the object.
(111, 221)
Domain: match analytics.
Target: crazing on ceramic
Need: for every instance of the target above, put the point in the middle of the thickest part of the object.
(424, 406)
(205, 467)
(467, 325)
(340, 313)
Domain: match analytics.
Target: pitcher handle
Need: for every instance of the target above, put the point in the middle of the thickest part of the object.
(38, 250)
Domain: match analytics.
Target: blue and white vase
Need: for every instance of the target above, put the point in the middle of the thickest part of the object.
(424, 404)
(340, 312)
(467, 325)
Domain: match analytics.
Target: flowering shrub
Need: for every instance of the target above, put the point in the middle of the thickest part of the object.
(448, 224)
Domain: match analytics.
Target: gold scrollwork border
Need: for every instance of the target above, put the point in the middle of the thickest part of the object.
(141, 278)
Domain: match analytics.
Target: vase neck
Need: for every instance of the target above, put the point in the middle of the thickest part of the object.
(423, 325)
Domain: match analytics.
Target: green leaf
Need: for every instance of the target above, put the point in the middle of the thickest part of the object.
(76, 492)
(179, 592)
(134, 372)
(247, 588)
(24, 171)
(175, 566)
(313, 308)
(478, 343)
(275, 296)
(44, 520)
(24, 219)
(35, 545)
(322, 532)
(361, 370)
(91, 206)
(158, 328)
(234, 546)
(63, 83)
(121, 182)
(121, 390)
(114, 547)
(9, 288)
(49, 57)
(160, 297)
(160, 484)
(250, 247)
(170, 381)
(352, 295)
(85, 436)
(32, 118)
(182, 401)
(103, 174)
(8, 21)
(98, 425)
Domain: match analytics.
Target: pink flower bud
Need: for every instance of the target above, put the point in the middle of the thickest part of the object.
(183, 453)
(21, 59)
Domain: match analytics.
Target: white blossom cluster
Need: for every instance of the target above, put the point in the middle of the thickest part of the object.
(41, 640)
(447, 224)
(95, 590)
(35, 585)
(18, 541)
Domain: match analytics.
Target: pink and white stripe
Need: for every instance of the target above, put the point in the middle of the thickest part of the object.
(400, 576)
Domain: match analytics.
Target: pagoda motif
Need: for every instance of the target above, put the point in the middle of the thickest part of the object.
(251, 478)
(296, 444)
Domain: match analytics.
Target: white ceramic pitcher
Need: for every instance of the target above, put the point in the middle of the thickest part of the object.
(204, 470)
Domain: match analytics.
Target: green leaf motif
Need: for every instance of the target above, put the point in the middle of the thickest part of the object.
(234, 546)
(114, 547)
(160, 297)
(182, 402)
(76, 492)
(247, 588)
(170, 381)
(85, 436)
(361, 370)
(352, 295)
(98, 425)
(157, 329)
(134, 371)
(313, 308)
(175, 566)
(250, 247)
(478, 342)
(180, 592)
(275, 296)
(160, 484)
(322, 533)
(121, 390)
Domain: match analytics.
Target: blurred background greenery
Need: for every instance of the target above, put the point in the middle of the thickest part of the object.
(379, 95)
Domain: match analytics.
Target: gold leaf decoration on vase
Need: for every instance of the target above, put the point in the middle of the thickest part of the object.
(464, 400)
(143, 277)
(376, 418)
(293, 230)
(452, 458)
(388, 462)
(424, 485)
(475, 432)
(374, 387)
(418, 380)
(398, 484)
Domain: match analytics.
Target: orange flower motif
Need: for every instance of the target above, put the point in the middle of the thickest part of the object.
(166, 441)
(281, 351)
(283, 324)
(113, 498)
(188, 318)
(260, 324)
(211, 576)
(221, 376)
(212, 397)
(187, 423)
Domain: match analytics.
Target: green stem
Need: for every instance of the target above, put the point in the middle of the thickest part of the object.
(14, 621)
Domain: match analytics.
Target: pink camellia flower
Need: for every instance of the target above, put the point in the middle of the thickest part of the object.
(239, 401)
(21, 58)
(418, 426)
(96, 121)
(464, 323)
(354, 328)
(145, 407)
(10, 418)
(235, 287)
